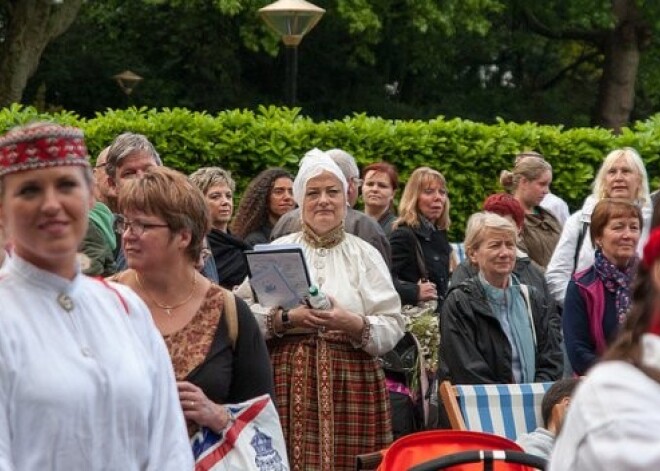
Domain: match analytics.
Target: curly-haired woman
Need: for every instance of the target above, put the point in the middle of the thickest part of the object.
(268, 196)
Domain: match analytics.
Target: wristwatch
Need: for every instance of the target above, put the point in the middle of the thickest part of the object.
(286, 320)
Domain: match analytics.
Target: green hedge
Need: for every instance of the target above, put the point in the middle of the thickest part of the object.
(470, 155)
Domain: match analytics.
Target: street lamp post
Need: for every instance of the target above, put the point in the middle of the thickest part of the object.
(127, 81)
(291, 19)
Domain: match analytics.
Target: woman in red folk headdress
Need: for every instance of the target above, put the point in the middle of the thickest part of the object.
(85, 379)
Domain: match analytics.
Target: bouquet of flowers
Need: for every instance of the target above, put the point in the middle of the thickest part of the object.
(423, 323)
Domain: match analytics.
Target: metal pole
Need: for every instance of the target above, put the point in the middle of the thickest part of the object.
(291, 74)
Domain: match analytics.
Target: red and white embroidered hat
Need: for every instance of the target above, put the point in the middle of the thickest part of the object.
(42, 145)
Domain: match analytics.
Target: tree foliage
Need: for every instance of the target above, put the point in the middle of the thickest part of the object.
(470, 155)
(26, 28)
(478, 59)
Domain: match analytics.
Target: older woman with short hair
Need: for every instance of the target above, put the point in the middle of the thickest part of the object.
(163, 223)
(598, 298)
(330, 389)
(527, 271)
(217, 186)
(494, 329)
(614, 417)
(622, 175)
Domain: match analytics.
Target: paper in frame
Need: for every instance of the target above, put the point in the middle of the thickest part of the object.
(278, 276)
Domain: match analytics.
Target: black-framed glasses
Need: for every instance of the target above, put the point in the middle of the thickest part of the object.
(136, 227)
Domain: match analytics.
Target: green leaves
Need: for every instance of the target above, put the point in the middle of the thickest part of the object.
(470, 155)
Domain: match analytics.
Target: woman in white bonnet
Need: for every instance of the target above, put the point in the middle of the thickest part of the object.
(330, 390)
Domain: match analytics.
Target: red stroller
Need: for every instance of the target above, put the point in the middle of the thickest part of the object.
(457, 450)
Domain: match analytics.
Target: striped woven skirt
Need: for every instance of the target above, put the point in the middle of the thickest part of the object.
(332, 401)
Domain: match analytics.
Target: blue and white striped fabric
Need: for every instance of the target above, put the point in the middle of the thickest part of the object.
(459, 250)
(508, 410)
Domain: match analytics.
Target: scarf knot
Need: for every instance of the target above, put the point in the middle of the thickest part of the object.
(617, 281)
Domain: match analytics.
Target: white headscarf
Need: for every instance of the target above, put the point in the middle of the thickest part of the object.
(312, 165)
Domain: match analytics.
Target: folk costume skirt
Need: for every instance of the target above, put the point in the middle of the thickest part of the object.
(332, 401)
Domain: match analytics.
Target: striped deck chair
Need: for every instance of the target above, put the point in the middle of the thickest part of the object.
(459, 251)
(508, 410)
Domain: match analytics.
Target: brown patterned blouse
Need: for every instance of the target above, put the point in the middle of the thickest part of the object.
(189, 346)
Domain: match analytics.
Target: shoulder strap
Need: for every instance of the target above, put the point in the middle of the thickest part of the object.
(230, 315)
(419, 255)
(525, 292)
(580, 241)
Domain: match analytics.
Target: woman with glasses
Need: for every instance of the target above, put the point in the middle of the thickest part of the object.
(614, 417)
(268, 197)
(598, 298)
(163, 224)
(85, 379)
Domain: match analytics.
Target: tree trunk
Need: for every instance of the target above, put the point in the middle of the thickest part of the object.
(32, 24)
(622, 49)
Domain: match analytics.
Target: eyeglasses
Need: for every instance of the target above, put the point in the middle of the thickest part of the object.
(136, 227)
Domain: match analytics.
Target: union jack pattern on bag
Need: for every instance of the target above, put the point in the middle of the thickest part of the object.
(254, 440)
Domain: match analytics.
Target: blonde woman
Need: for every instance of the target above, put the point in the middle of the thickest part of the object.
(495, 329)
(529, 182)
(421, 253)
(622, 175)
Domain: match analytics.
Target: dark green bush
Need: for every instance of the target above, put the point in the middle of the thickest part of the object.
(470, 155)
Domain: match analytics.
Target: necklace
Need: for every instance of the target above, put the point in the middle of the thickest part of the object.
(168, 308)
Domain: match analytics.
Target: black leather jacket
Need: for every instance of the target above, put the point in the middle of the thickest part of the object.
(405, 269)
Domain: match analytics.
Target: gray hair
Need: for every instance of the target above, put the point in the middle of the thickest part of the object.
(634, 160)
(207, 177)
(346, 162)
(126, 144)
(481, 222)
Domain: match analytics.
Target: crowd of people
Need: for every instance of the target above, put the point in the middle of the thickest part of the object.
(107, 371)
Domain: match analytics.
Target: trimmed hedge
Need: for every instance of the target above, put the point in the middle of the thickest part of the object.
(470, 155)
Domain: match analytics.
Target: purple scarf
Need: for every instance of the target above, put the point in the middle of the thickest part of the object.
(616, 281)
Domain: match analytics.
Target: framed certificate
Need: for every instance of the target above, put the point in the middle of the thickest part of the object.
(278, 275)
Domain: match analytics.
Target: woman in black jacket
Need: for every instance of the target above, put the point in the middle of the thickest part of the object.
(527, 271)
(494, 329)
(217, 186)
(420, 249)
